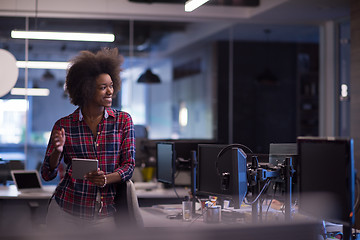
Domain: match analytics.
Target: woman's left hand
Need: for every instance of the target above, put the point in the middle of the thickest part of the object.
(97, 177)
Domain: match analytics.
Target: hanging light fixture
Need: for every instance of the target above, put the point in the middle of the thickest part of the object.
(267, 77)
(48, 76)
(148, 77)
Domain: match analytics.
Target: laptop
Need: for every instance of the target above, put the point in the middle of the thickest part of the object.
(28, 182)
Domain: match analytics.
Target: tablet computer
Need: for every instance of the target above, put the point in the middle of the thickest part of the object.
(82, 166)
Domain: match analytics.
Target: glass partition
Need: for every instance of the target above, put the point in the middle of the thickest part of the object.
(195, 61)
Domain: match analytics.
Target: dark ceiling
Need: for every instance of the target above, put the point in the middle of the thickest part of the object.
(150, 34)
(146, 33)
(248, 3)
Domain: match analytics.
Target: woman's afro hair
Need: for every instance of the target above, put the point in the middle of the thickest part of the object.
(86, 67)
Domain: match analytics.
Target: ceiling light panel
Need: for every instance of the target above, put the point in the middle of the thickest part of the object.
(64, 36)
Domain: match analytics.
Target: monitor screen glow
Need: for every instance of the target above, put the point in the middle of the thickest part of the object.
(165, 162)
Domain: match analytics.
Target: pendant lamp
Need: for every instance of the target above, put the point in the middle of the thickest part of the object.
(148, 77)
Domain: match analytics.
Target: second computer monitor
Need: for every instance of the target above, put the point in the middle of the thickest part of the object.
(165, 162)
(327, 178)
(225, 176)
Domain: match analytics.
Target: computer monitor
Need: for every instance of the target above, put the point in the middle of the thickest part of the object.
(165, 162)
(145, 152)
(327, 178)
(183, 149)
(225, 176)
(183, 164)
(182, 168)
(278, 152)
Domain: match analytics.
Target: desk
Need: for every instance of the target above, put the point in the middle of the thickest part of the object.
(157, 216)
(23, 211)
(10, 192)
(155, 219)
(18, 211)
(16, 214)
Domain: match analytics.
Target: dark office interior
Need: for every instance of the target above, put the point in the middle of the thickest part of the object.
(253, 72)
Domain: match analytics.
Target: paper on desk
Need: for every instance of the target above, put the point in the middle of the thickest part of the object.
(169, 207)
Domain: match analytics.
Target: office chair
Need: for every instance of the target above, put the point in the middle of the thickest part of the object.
(127, 206)
(140, 131)
(4, 172)
(6, 167)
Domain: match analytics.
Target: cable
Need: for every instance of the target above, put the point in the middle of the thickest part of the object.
(257, 197)
(357, 202)
(202, 214)
(177, 195)
(267, 210)
(173, 185)
(176, 174)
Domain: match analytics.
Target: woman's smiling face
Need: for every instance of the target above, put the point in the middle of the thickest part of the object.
(103, 90)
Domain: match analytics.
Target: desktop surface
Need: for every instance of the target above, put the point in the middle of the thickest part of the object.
(165, 214)
(169, 216)
(157, 216)
(11, 192)
(234, 224)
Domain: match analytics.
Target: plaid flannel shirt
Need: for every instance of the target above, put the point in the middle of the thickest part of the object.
(114, 147)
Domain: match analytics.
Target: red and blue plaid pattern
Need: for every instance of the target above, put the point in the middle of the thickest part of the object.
(114, 147)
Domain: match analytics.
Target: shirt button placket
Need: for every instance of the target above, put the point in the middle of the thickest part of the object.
(98, 133)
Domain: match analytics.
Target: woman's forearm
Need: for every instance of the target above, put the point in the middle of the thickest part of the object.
(54, 159)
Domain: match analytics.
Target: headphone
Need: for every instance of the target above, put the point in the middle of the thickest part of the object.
(225, 176)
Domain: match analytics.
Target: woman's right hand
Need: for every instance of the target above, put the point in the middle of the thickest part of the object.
(58, 140)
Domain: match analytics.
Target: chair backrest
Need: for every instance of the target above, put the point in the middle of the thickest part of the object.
(6, 167)
(127, 206)
(133, 204)
(16, 165)
(140, 131)
(4, 172)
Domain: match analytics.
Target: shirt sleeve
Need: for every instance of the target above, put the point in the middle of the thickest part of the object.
(127, 149)
(46, 173)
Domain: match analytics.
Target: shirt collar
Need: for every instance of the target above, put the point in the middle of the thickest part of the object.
(81, 116)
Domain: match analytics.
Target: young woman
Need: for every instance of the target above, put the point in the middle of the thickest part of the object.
(93, 131)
